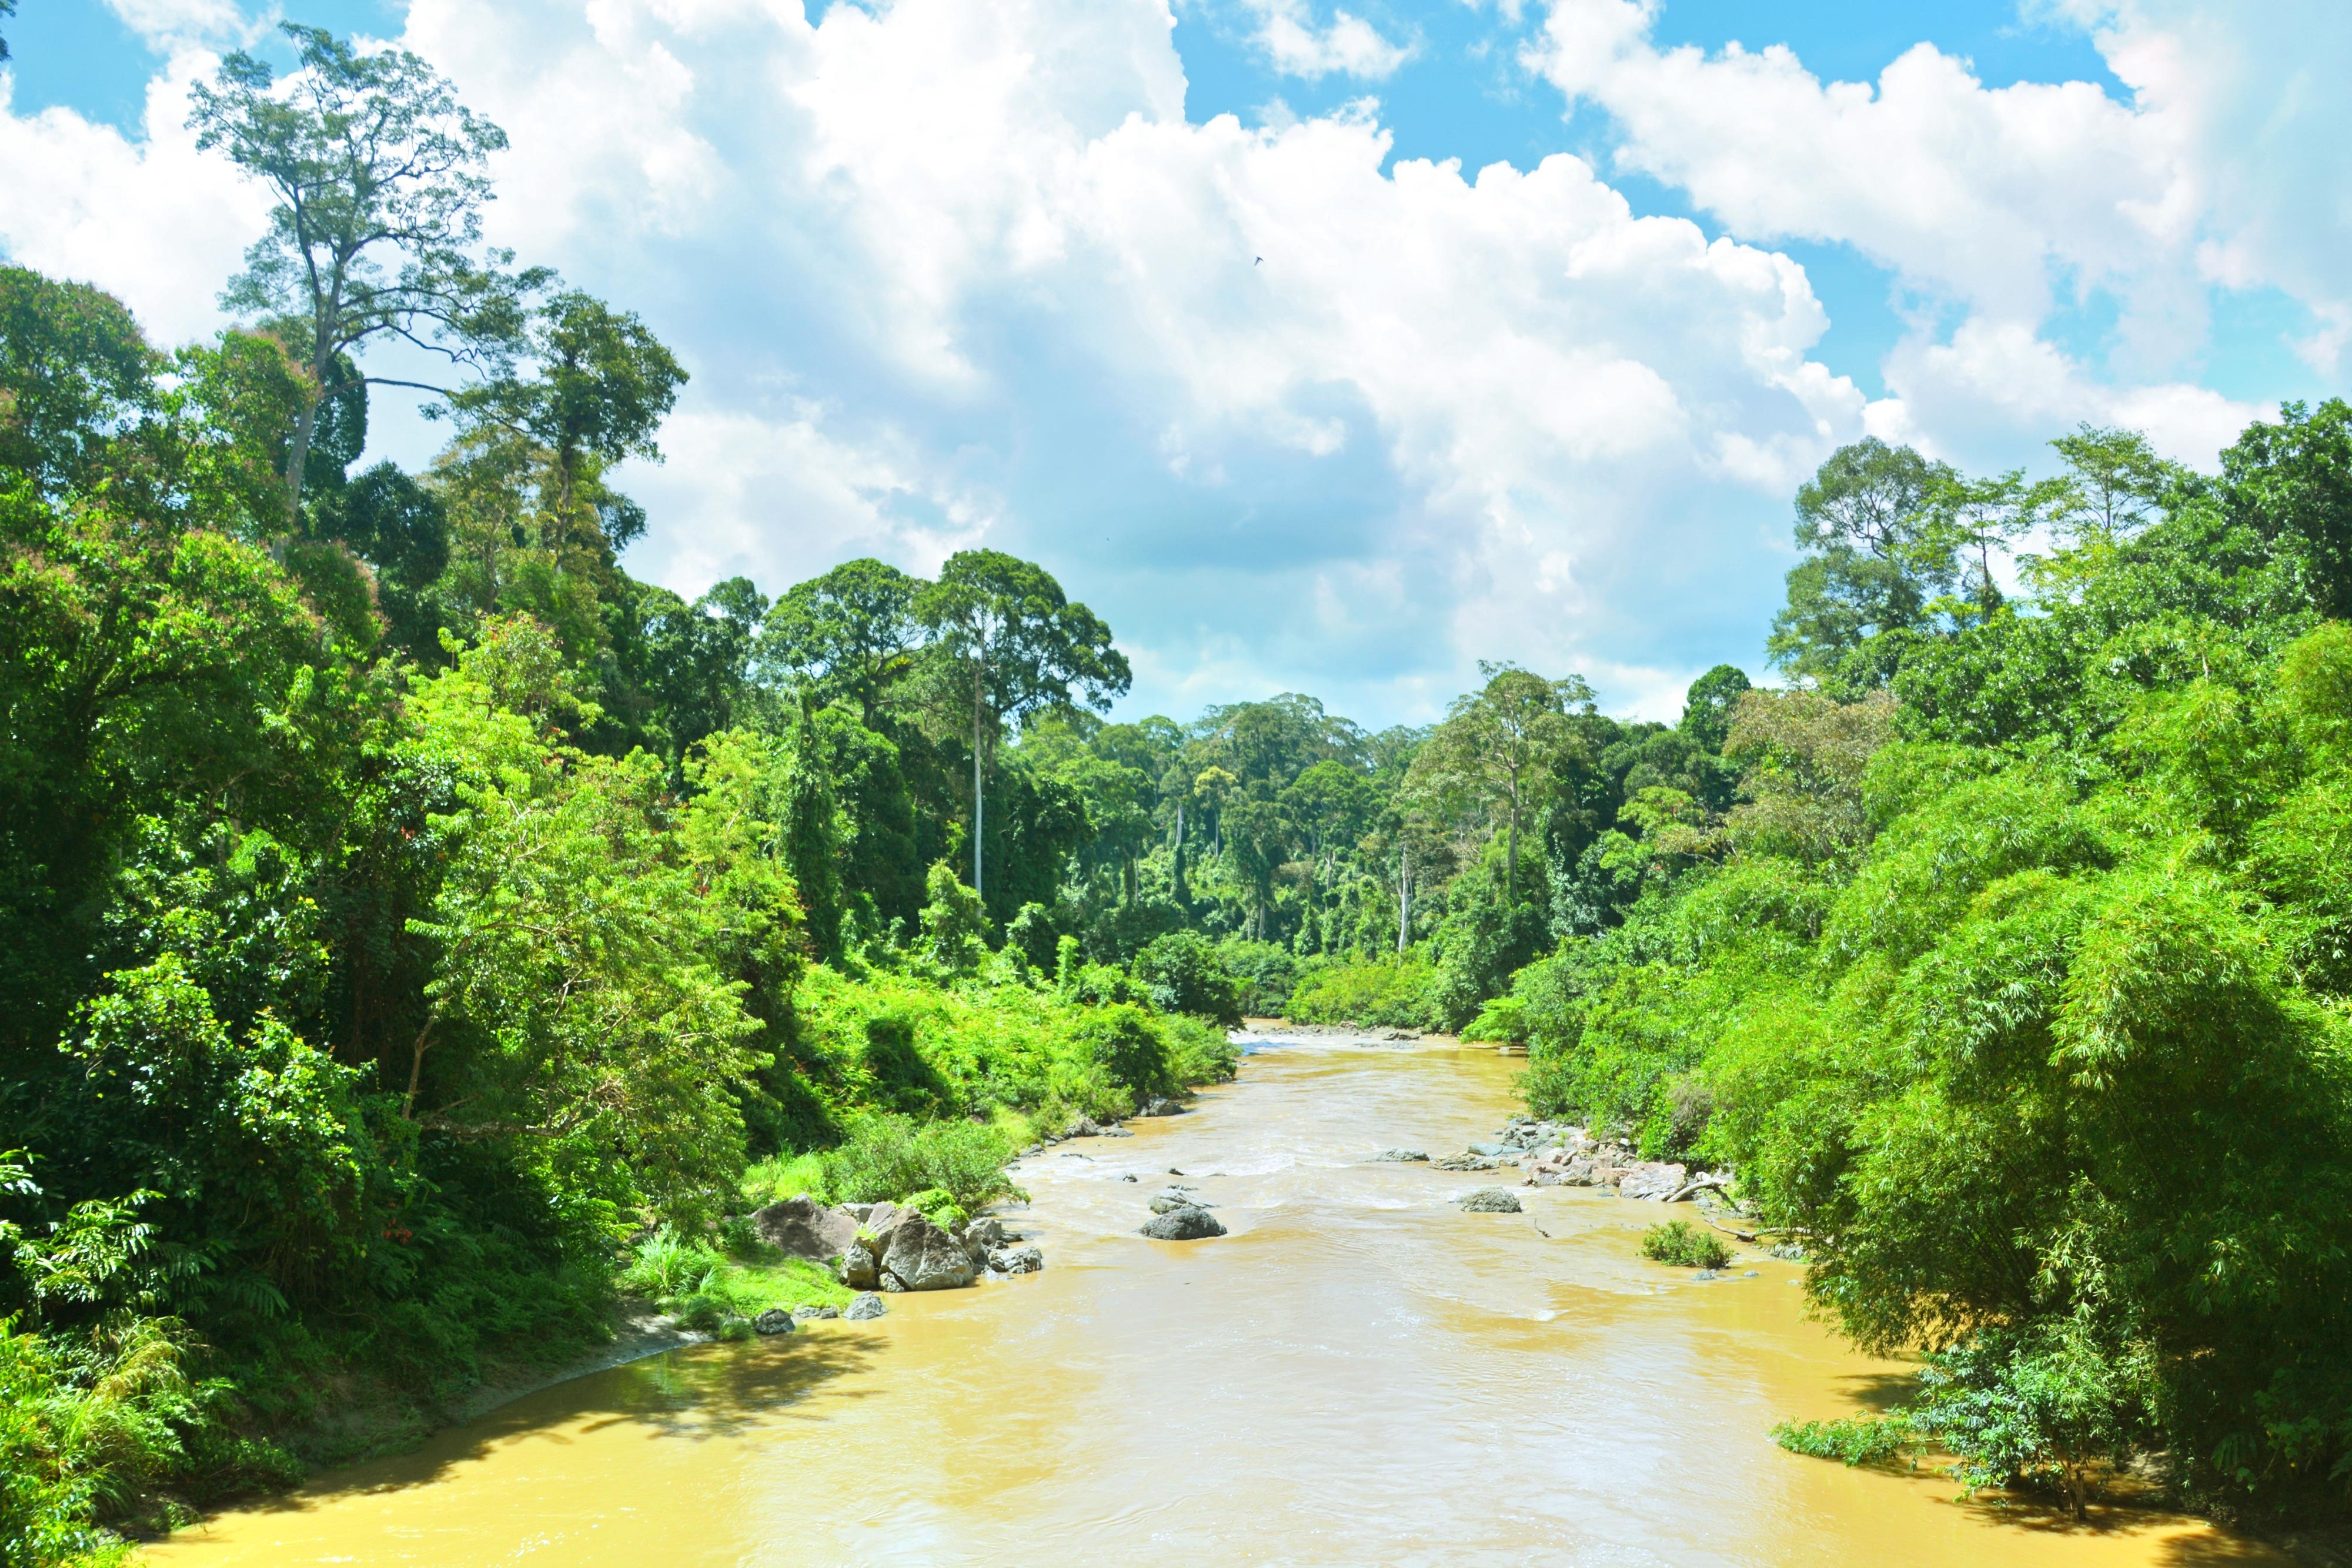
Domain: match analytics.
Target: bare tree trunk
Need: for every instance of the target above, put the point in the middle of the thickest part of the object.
(1404, 896)
(978, 809)
(1511, 855)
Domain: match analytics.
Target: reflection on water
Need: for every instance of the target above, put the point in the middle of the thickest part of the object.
(1359, 1373)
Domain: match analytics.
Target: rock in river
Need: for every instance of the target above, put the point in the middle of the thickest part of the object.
(1162, 1108)
(1651, 1179)
(1402, 1156)
(775, 1320)
(922, 1257)
(1174, 1199)
(805, 1227)
(859, 1269)
(813, 1314)
(1490, 1200)
(1016, 1261)
(867, 1305)
(1186, 1224)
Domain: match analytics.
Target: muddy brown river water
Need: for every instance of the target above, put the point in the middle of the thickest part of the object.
(1359, 1373)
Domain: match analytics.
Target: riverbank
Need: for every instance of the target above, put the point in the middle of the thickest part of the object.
(1358, 1371)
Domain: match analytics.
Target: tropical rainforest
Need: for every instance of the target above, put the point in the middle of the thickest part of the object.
(408, 919)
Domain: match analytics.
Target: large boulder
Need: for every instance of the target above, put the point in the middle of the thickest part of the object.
(867, 1305)
(1189, 1223)
(922, 1257)
(1016, 1261)
(805, 1227)
(988, 1230)
(1490, 1200)
(775, 1320)
(1651, 1180)
(1176, 1197)
(859, 1269)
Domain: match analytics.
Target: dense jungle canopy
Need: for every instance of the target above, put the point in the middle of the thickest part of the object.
(404, 911)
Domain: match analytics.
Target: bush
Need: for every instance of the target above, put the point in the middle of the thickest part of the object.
(1198, 1052)
(939, 1206)
(1185, 974)
(888, 1156)
(1853, 1440)
(1268, 972)
(666, 1265)
(1126, 1043)
(1685, 1246)
(1388, 990)
(47, 1494)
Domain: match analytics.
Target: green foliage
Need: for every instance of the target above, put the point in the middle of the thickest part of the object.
(1184, 972)
(1377, 991)
(1685, 1246)
(1851, 1441)
(890, 1156)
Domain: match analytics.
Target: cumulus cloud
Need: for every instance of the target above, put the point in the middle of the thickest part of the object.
(1015, 291)
(151, 219)
(2008, 205)
(1346, 46)
(948, 273)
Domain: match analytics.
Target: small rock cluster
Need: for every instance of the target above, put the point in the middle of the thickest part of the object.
(1086, 1126)
(1180, 1216)
(1554, 1154)
(882, 1248)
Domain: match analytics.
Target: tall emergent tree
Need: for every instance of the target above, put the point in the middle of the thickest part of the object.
(1500, 742)
(377, 171)
(1023, 647)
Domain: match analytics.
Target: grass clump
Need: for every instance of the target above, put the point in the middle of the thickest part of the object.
(1685, 1245)
(1852, 1440)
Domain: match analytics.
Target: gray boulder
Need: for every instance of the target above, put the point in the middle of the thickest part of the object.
(815, 1314)
(1016, 1261)
(867, 1305)
(775, 1320)
(1466, 1161)
(1490, 1200)
(988, 1230)
(1114, 1133)
(1651, 1180)
(1174, 1199)
(1186, 1224)
(805, 1227)
(859, 1269)
(1161, 1108)
(1402, 1156)
(922, 1257)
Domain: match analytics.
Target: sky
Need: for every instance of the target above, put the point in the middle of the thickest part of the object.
(1322, 348)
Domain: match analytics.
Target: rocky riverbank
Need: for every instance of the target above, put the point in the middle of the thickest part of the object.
(1559, 1154)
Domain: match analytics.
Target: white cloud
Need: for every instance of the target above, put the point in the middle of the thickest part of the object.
(948, 273)
(153, 220)
(2016, 204)
(1346, 45)
(169, 24)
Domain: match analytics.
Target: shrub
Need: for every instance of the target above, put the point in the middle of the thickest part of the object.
(1388, 990)
(1853, 1440)
(888, 1156)
(1267, 972)
(666, 1264)
(939, 1206)
(1685, 1245)
(1198, 1052)
(1185, 974)
(1126, 1043)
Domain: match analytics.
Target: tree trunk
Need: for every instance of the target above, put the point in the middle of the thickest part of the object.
(1511, 855)
(978, 807)
(298, 454)
(1404, 896)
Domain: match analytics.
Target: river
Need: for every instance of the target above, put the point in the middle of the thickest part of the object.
(1359, 1373)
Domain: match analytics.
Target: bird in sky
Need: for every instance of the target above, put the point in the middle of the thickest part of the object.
(1254, 260)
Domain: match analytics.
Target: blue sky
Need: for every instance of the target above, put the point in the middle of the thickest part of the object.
(948, 275)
